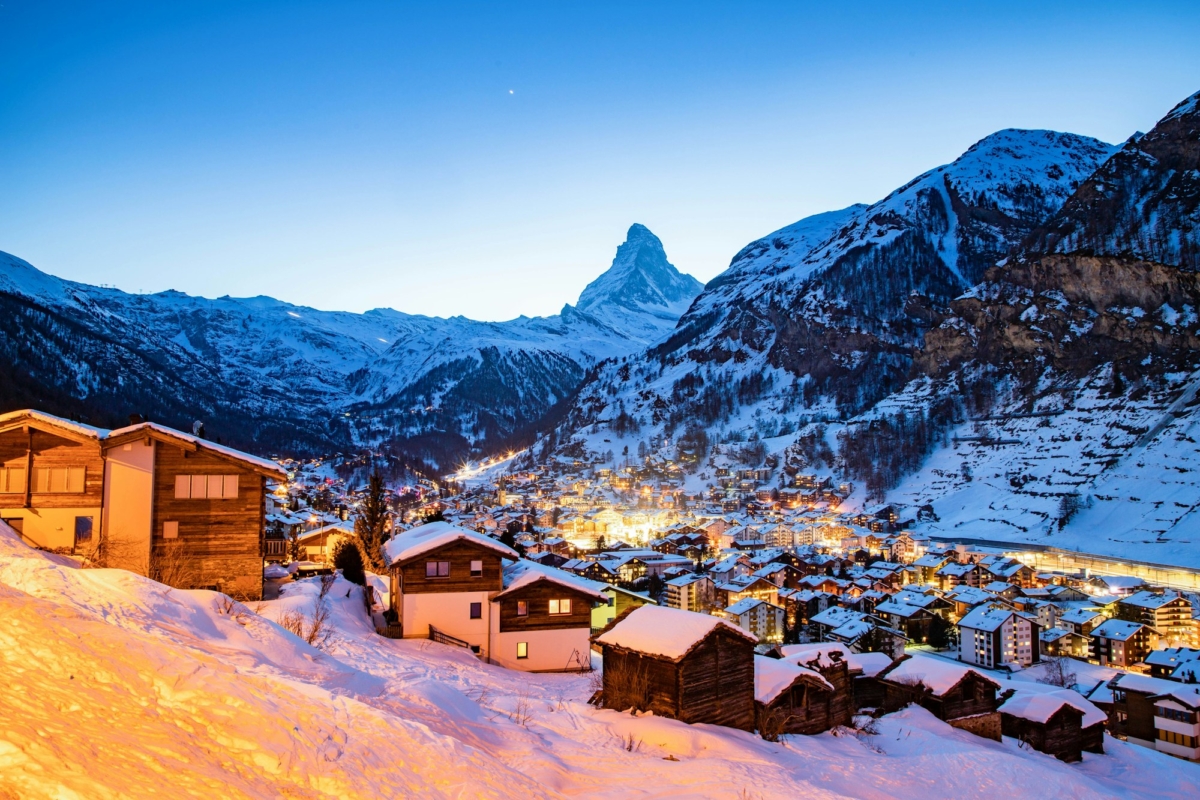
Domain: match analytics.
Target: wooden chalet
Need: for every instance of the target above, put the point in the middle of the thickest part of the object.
(679, 664)
(146, 498)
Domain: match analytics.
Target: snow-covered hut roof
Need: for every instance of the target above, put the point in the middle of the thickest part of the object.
(433, 535)
(669, 633)
(77, 429)
(820, 652)
(1038, 702)
(773, 677)
(937, 675)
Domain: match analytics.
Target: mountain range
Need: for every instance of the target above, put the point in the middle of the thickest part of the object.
(1003, 348)
(266, 374)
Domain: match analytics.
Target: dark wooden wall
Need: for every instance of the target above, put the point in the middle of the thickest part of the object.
(538, 596)
(460, 554)
(1059, 736)
(50, 450)
(717, 682)
(222, 538)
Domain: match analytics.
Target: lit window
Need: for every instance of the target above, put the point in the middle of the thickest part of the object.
(522, 649)
(476, 569)
(562, 606)
(437, 569)
(476, 610)
(522, 608)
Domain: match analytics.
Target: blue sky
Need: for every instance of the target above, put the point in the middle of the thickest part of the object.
(486, 160)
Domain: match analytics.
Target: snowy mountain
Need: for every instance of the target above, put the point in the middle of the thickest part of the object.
(1051, 399)
(263, 371)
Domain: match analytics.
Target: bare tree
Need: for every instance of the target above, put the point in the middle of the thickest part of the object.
(1058, 672)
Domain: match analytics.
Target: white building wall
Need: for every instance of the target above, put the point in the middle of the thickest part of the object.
(556, 650)
(450, 613)
(129, 500)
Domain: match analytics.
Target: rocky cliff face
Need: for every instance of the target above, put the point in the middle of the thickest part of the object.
(1142, 203)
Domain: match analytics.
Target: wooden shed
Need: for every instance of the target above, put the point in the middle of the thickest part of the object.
(679, 664)
(1059, 722)
(789, 698)
(954, 694)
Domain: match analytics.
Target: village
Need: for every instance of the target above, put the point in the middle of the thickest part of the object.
(745, 605)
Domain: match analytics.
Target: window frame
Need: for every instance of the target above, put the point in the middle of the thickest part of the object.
(437, 570)
(560, 607)
(476, 610)
(522, 608)
(476, 573)
(522, 650)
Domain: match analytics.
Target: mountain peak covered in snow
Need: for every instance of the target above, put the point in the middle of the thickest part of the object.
(640, 278)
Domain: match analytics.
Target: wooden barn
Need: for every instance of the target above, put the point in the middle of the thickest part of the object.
(789, 698)
(1059, 722)
(832, 661)
(956, 695)
(679, 664)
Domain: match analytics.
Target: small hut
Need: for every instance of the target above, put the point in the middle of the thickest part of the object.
(1059, 722)
(679, 664)
(791, 699)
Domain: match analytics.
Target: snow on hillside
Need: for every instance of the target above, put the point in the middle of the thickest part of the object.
(1130, 467)
(118, 686)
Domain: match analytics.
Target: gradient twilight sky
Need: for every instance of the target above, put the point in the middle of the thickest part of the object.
(486, 160)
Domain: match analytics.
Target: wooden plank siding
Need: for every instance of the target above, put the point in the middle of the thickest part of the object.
(460, 554)
(222, 538)
(1060, 736)
(50, 450)
(713, 683)
(538, 596)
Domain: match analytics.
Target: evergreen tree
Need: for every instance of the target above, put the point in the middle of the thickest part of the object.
(348, 559)
(369, 526)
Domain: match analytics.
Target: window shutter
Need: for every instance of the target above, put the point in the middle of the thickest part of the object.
(183, 487)
(75, 479)
(231, 486)
(171, 529)
(199, 487)
(216, 486)
(43, 480)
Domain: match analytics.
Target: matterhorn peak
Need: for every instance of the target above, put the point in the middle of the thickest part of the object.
(641, 278)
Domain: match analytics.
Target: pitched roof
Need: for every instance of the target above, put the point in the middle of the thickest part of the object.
(985, 618)
(424, 538)
(1039, 702)
(773, 677)
(668, 633)
(163, 433)
(523, 572)
(69, 427)
(1116, 629)
(938, 675)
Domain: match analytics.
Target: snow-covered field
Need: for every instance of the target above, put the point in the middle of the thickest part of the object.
(117, 686)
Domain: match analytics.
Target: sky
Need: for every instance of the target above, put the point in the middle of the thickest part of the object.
(486, 160)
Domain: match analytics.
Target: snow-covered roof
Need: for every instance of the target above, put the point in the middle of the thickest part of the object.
(744, 605)
(1080, 616)
(1188, 695)
(985, 618)
(898, 609)
(1116, 629)
(523, 572)
(669, 633)
(49, 420)
(152, 428)
(938, 675)
(1038, 702)
(819, 652)
(433, 535)
(772, 677)
(1152, 600)
(869, 664)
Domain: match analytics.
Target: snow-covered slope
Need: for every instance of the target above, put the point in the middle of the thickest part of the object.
(262, 370)
(116, 686)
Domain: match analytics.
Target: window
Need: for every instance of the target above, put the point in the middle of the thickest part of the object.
(562, 606)
(1175, 714)
(476, 610)
(476, 569)
(206, 487)
(522, 649)
(612, 601)
(16, 523)
(12, 480)
(58, 480)
(1171, 737)
(437, 569)
(522, 608)
(83, 532)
